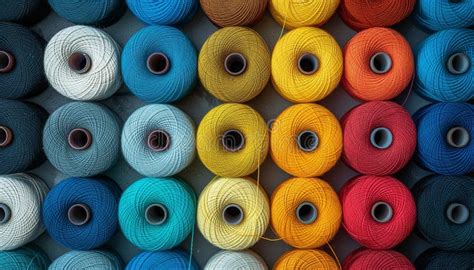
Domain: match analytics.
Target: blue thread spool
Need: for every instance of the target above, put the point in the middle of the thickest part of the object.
(89, 12)
(171, 259)
(163, 12)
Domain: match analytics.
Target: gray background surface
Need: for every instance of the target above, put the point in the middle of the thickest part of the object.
(269, 104)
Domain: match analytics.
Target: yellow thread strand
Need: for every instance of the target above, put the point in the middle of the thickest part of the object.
(300, 13)
(306, 259)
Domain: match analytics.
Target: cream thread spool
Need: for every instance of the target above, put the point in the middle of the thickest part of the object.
(6, 136)
(79, 214)
(381, 212)
(7, 62)
(458, 137)
(381, 63)
(381, 138)
(458, 63)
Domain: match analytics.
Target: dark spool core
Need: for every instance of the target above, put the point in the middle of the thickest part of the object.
(308, 64)
(79, 214)
(80, 62)
(233, 140)
(308, 141)
(382, 212)
(159, 140)
(233, 214)
(457, 213)
(306, 213)
(158, 63)
(458, 63)
(458, 137)
(80, 139)
(156, 214)
(235, 64)
(381, 63)
(6, 136)
(5, 213)
(7, 62)
(381, 138)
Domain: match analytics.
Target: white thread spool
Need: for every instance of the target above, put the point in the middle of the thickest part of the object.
(457, 213)
(458, 63)
(381, 63)
(21, 199)
(458, 137)
(83, 63)
(381, 212)
(246, 259)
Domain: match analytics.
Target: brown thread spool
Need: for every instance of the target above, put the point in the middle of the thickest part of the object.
(233, 214)
(457, 213)
(233, 140)
(381, 63)
(458, 137)
(80, 62)
(6, 136)
(308, 64)
(5, 213)
(308, 141)
(458, 63)
(381, 138)
(7, 62)
(158, 63)
(381, 212)
(235, 64)
(79, 139)
(306, 213)
(156, 214)
(234, 12)
(79, 214)
(159, 140)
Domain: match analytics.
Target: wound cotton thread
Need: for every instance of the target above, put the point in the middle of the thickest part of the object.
(169, 259)
(379, 212)
(446, 138)
(24, 11)
(306, 259)
(379, 138)
(307, 65)
(444, 66)
(158, 140)
(29, 257)
(157, 213)
(437, 259)
(159, 64)
(234, 12)
(362, 14)
(83, 63)
(306, 212)
(232, 140)
(21, 61)
(21, 129)
(234, 64)
(163, 12)
(438, 15)
(21, 198)
(89, 12)
(82, 139)
(97, 259)
(245, 259)
(306, 140)
(378, 64)
(81, 213)
(233, 213)
(363, 259)
(444, 205)
(294, 14)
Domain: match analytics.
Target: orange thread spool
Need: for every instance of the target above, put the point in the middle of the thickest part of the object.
(306, 259)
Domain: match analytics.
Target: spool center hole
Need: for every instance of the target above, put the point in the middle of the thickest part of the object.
(79, 214)
(380, 63)
(159, 140)
(4, 60)
(382, 212)
(306, 213)
(308, 64)
(235, 64)
(381, 138)
(158, 63)
(4, 216)
(3, 136)
(458, 137)
(156, 214)
(308, 141)
(458, 213)
(458, 63)
(80, 139)
(233, 140)
(79, 62)
(233, 214)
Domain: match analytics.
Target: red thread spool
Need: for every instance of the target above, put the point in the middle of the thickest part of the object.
(362, 14)
(363, 259)
(379, 138)
(378, 64)
(378, 212)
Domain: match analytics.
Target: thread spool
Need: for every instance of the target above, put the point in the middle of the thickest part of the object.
(438, 259)
(158, 140)
(306, 212)
(159, 57)
(21, 129)
(306, 140)
(362, 259)
(169, 259)
(436, 16)
(444, 204)
(234, 13)
(23, 258)
(246, 259)
(157, 213)
(21, 61)
(379, 138)
(378, 64)
(168, 12)
(106, 260)
(82, 139)
(306, 259)
(233, 213)
(21, 198)
(381, 219)
(304, 13)
(81, 213)
(89, 12)
(234, 64)
(443, 66)
(25, 11)
(296, 53)
(360, 14)
(83, 63)
(446, 129)
(245, 144)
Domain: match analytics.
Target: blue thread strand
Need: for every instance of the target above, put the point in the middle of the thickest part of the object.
(433, 259)
(436, 15)
(171, 259)
(23, 11)
(28, 257)
(163, 12)
(94, 259)
(89, 12)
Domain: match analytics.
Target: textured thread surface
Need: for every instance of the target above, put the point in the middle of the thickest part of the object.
(23, 11)
(306, 259)
(163, 12)
(234, 12)
(170, 259)
(437, 259)
(437, 15)
(363, 259)
(245, 259)
(95, 259)
(295, 13)
(89, 12)
(29, 257)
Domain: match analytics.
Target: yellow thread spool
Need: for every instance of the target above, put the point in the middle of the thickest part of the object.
(297, 13)
(307, 260)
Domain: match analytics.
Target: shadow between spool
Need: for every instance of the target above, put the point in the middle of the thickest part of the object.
(159, 140)
(457, 213)
(308, 64)
(7, 62)
(79, 62)
(79, 214)
(79, 139)
(458, 63)
(381, 63)
(307, 141)
(156, 214)
(381, 212)
(233, 140)
(233, 214)
(6, 136)
(306, 213)
(5, 213)
(381, 138)
(158, 63)
(235, 64)
(458, 137)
